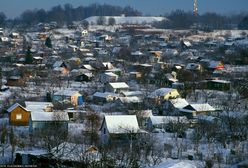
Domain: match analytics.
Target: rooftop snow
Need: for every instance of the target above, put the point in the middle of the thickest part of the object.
(167, 119)
(179, 102)
(122, 124)
(10, 109)
(49, 116)
(66, 93)
(161, 92)
(117, 85)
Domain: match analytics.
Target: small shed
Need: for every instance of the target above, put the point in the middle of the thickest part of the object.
(18, 115)
(221, 85)
(117, 87)
(68, 95)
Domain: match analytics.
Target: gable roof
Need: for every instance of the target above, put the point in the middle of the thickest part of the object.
(118, 124)
(11, 108)
(179, 102)
(117, 85)
(49, 116)
(199, 107)
(161, 92)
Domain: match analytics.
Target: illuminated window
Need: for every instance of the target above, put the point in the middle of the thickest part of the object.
(18, 116)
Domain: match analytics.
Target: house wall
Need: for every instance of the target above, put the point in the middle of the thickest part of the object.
(172, 94)
(47, 125)
(19, 117)
(104, 134)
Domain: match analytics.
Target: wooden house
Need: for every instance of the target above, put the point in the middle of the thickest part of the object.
(163, 94)
(72, 96)
(18, 115)
(105, 97)
(221, 85)
(15, 81)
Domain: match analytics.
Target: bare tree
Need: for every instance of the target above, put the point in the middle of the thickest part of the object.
(111, 21)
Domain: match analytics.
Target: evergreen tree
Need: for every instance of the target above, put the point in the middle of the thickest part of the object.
(48, 42)
(243, 25)
(29, 57)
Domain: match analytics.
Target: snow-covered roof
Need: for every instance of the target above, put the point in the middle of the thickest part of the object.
(11, 108)
(57, 64)
(49, 116)
(66, 93)
(89, 67)
(156, 120)
(137, 53)
(110, 74)
(200, 107)
(108, 65)
(128, 19)
(161, 92)
(117, 85)
(118, 124)
(37, 106)
(179, 102)
(75, 152)
(221, 81)
(105, 94)
(133, 99)
(132, 93)
(176, 164)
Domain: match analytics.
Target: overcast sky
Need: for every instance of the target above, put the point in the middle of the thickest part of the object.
(13, 8)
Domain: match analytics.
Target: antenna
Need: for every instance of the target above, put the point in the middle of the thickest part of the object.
(195, 8)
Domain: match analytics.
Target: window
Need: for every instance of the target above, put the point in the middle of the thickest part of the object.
(18, 116)
(104, 130)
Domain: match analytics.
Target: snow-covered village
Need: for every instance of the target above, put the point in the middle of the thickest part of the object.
(104, 86)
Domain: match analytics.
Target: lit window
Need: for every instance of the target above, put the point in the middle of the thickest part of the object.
(18, 116)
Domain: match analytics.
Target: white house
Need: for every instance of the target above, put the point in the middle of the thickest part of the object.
(115, 125)
(117, 87)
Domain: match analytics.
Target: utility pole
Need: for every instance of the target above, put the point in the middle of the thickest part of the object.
(195, 7)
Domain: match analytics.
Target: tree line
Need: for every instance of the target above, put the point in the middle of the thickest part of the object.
(178, 19)
(67, 13)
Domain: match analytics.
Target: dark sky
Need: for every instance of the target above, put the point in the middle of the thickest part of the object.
(13, 8)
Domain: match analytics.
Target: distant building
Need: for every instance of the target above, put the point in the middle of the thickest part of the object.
(120, 20)
(117, 87)
(74, 97)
